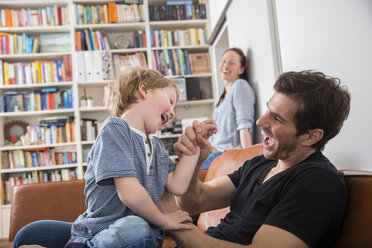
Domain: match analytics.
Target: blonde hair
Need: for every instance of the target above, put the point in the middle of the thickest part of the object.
(121, 92)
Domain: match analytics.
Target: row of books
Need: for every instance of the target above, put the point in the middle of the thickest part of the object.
(41, 17)
(89, 129)
(108, 13)
(186, 11)
(50, 130)
(123, 63)
(85, 154)
(18, 44)
(187, 37)
(91, 40)
(34, 177)
(172, 62)
(38, 158)
(37, 72)
(44, 99)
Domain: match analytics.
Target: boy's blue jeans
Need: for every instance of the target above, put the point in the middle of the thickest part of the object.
(131, 232)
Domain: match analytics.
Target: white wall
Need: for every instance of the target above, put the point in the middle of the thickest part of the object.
(250, 27)
(335, 37)
(215, 10)
(219, 47)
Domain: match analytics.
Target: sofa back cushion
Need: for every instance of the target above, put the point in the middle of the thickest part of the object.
(63, 201)
(228, 162)
(357, 228)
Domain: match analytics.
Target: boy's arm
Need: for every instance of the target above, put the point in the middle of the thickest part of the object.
(178, 181)
(135, 196)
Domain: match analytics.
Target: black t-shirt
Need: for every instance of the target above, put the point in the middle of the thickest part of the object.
(308, 200)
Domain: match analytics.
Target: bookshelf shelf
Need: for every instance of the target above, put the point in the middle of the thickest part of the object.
(87, 142)
(96, 83)
(113, 27)
(33, 56)
(91, 1)
(169, 136)
(36, 113)
(84, 86)
(9, 148)
(128, 50)
(28, 3)
(196, 102)
(181, 24)
(204, 75)
(191, 48)
(32, 86)
(94, 109)
(41, 168)
(35, 30)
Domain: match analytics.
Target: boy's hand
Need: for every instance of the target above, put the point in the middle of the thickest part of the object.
(198, 134)
(176, 221)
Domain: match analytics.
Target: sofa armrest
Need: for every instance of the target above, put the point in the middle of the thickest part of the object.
(63, 201)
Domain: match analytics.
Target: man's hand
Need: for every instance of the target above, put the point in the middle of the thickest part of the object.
(177, 221)
(206, 128)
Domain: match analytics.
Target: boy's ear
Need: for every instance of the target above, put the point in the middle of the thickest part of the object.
(142, 90)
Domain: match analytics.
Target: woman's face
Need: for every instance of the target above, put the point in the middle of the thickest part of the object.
(230, 66)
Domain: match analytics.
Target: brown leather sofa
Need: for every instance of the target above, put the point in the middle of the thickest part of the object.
(65, 201)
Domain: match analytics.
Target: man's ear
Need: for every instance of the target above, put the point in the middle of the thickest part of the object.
(313, 136)
(142, 90)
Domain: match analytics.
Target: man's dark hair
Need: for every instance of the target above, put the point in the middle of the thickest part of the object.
(322, 102)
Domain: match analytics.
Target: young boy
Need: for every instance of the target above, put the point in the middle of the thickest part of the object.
(128, 168)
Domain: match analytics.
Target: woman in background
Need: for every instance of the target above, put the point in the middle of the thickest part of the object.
(234, 112)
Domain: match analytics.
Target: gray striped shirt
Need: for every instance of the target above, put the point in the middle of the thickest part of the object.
(119, 152)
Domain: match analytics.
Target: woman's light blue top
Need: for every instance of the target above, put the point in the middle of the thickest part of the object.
(235, 112)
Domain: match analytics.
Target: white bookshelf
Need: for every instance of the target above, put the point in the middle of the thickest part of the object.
(185, 109)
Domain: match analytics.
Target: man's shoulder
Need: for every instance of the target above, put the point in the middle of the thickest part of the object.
(318, 168)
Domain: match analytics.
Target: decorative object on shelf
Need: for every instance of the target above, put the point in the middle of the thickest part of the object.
(193, 89)
(90, 102)
(181, 85)
(14, 130)
(53, 43)
(121, 40)
(83, 102)
(200, 63)
(177, 126)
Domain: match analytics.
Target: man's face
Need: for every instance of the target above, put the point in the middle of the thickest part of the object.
(279, 128)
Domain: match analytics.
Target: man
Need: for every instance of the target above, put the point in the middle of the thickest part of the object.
(292, 196)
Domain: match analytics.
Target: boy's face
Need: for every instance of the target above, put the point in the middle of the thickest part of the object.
(161, 103)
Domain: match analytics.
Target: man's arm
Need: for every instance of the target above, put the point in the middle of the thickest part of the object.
(266, 237)
(201, 197)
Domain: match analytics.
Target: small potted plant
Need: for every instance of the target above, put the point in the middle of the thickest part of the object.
(90, 101)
